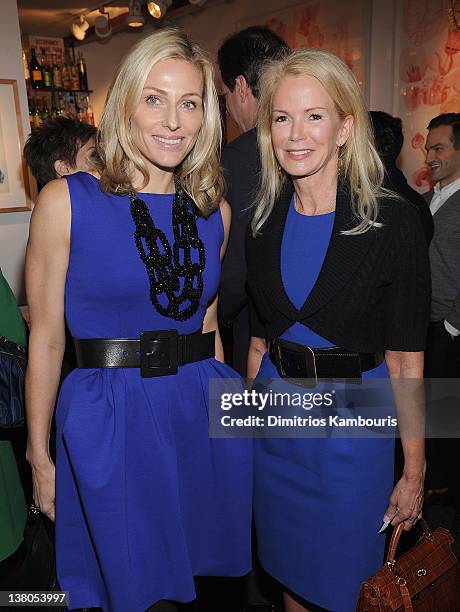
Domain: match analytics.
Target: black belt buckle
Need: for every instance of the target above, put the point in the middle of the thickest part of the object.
(159, 351)
(296, 362)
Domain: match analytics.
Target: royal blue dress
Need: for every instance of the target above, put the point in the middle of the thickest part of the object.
(319, 502)
(145, 500)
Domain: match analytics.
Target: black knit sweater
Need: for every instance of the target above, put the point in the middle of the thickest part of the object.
(373, 290)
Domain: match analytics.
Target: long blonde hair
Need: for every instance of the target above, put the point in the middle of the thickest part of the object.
(360, 164)
(199, 174)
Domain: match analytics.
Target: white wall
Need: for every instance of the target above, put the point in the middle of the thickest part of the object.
(13, 226)
(382, 55)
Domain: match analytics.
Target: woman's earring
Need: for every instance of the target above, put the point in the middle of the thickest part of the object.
(340, 160)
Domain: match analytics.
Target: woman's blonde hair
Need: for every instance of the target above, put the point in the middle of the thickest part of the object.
(360, 164)
(118, 156)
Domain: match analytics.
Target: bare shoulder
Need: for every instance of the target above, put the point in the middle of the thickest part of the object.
(52, 210)
(53, 200)
(54, 190)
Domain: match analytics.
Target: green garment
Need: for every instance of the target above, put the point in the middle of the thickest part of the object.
(11, 322)
(13, 510)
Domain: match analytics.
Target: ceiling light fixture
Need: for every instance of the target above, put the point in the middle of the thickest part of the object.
(158, 8)
(78, 27)
(135, 18)
(102, 27)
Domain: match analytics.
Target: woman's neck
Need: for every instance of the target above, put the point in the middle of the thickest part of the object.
(160, 181)
(316, 194)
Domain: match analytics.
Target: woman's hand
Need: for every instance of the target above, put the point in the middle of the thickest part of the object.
(406, 501)
(43, 477)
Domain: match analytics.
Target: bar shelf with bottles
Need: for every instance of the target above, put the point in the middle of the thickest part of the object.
(54, 89)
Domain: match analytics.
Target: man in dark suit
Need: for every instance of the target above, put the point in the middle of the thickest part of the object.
(241, 58)
(389, 139)
(442, 356)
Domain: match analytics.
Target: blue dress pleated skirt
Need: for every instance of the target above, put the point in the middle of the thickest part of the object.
(145, 500)
(319, 502)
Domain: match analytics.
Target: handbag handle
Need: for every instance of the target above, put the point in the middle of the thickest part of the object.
(395, 540)
(391, 561)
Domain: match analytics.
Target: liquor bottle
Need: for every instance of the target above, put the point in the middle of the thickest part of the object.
(82, 73)
(74, 80)
(31, 112)
(36, 73)
(66, 77)
(71, 106)
(45, 113)
(25, 67)
(57, 74)
(62, 106)
(90, 115)
(47, 75)
(81, 115)
(55, 109)
(37, 115)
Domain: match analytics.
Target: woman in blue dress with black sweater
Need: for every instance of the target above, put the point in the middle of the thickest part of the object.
(338, 271)
(131, 255)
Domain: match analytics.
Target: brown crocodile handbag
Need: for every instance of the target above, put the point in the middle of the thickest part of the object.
(421, 580)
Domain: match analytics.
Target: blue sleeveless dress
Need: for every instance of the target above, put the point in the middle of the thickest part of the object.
(318, 502)
(144, 498)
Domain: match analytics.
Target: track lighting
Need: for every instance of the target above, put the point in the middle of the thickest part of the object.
(102, 27)
(135, 18)
(158, 8)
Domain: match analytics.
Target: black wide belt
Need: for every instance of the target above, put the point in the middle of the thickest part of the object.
(294, 360)
(156, 353)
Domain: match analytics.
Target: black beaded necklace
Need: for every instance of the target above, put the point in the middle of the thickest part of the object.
(171, 271)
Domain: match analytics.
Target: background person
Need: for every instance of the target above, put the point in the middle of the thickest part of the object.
(144, 498)
(60, 146)
(241, 58)
(13, 511)
(389, 139)
(322, 274)
(443, 344)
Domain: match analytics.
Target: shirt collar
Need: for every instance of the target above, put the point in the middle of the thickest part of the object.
(448, 190)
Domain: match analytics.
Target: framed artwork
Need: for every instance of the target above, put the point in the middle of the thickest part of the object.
(341, 28)
(427, 76)
(14, 178)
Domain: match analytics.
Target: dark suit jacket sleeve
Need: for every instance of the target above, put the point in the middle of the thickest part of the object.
(427, 196)
(241, 175)
(256, 327)
(409, 294)
(426, 219)
(452, 250)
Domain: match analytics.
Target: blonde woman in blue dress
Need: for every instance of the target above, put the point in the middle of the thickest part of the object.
(144, 498)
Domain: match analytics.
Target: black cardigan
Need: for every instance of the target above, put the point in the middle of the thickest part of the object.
(373, 290)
